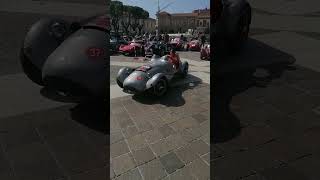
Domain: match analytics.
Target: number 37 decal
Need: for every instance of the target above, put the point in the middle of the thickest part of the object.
(95, 52)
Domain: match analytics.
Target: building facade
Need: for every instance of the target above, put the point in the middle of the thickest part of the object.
(149, 25)
(198, 20)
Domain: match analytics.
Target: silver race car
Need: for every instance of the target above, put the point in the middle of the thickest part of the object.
(153, 77)
(68, 57)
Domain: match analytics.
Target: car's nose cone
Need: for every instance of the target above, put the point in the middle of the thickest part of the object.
(71, 66)
(135, 82)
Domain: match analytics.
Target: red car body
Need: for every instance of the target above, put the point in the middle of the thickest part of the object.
(132, 48)
(194, 45)
(177, 43)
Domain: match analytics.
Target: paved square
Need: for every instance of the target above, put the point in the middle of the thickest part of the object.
(161, 133)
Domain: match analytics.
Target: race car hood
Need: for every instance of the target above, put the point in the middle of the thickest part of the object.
(126, 47)
(80, 59)
(136, 81)
(194, 43)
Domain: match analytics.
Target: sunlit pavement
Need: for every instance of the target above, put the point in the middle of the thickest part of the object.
(268, 103)
(161, 138)
(42, 139)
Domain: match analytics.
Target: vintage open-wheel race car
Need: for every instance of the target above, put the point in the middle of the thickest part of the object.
(68, 57)
(154, 77)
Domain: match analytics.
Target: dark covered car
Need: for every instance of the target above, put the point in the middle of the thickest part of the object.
(68, 57)
(153, 77)
(232, 19)
(116, 42)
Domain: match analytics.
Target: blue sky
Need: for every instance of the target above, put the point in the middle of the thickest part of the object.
(177, 6)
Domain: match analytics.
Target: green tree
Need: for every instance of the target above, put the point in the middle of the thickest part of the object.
(127, 19)
(116, 13)
(138, 14)
(144, 15)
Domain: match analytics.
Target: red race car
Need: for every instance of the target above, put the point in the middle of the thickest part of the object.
(194, 45)
(134, 47)
(177, 43)
(205, 52)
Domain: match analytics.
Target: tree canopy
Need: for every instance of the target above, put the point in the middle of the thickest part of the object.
(126, 15)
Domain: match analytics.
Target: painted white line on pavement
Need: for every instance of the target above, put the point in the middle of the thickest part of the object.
(286, 7)
(302, 48)
(116, 91)
(19, 95)
(205, 77)
(286, 23)
(197, 63)
(126, 64)
(51, 8)
(195, 66)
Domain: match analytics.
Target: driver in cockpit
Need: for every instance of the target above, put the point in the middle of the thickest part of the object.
(174, 58)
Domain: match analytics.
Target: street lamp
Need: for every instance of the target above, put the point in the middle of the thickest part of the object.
(157, 15)
(157, 20)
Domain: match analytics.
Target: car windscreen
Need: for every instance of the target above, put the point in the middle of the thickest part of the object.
(144, 68)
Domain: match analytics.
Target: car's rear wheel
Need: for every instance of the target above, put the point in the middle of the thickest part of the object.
(160, 88)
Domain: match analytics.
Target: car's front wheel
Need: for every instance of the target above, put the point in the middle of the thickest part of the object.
(160, 88)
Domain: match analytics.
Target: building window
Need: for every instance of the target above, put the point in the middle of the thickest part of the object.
(198, 23)
(204, 23)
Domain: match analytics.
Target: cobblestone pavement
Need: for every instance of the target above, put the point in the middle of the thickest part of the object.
(165, 138)
(267, 115)
(42, 139)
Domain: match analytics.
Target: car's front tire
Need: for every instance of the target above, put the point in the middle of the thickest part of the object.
(160, 88)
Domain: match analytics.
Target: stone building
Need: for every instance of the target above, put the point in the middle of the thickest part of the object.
(198, 20)
(149, 25)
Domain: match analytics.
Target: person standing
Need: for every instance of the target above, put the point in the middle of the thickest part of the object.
(166, 38)
(203, 39)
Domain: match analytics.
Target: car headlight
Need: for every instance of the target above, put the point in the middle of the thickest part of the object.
(58, 30)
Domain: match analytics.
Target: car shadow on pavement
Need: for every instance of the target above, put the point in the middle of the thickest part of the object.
(256, 66)
(174, 96)
(90, 113)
